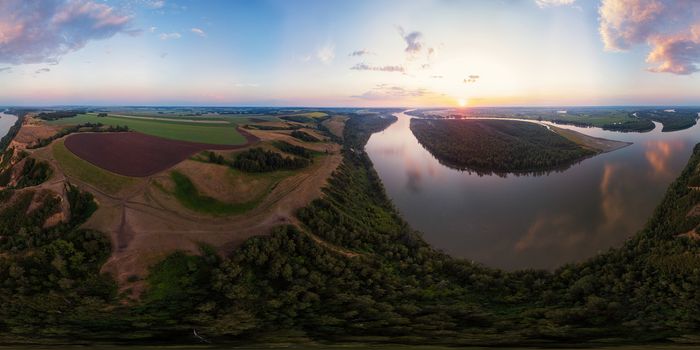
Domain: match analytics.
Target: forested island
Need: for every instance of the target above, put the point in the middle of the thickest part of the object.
(501, 146)
(372, 280)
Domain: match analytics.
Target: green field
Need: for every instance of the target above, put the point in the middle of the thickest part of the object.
(217, 134)
(188, 195)
(82, 170)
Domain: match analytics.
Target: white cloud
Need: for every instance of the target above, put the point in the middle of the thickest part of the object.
(326, 53)
(169, 36)
(364, 66)
(413, 41)
(670, 28)
(199, 32)
(156, 4)
(359, 53)
(550, 3)
(35, 31)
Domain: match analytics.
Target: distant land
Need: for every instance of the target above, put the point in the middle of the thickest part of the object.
(506, 146)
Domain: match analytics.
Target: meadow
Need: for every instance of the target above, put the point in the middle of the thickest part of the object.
(219, 133)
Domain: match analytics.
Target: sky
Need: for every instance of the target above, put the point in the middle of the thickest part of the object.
(326, 53)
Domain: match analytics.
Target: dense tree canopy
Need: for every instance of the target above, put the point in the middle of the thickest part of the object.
(257, 160)
(496, 146)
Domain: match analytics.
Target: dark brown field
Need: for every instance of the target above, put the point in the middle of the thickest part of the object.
(135, 154)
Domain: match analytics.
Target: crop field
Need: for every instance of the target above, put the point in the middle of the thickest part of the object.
(133, 154)
(82, 170)
(225, 133)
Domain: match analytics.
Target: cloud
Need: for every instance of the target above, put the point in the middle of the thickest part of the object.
(394, 92)
(551, 3)
(152, 29)
(670, 28)
(326, 54)
(358, 53)
(155, 4)
(413, 41)
(471, 79)
(199, 32)
(5, 69)
(37, 31)
(42, 70)
(364, 66)
(170, 36)
(384, 91)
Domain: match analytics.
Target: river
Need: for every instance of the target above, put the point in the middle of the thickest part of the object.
(543, 221)
(6, 122)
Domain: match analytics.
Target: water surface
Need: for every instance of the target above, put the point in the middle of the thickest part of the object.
(531, 221)
(6, 122)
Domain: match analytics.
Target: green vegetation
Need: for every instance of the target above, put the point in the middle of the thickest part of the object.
(56, 115)
(256, 160)
(614, 119)
(294, 150)
(212, 133)
(188, 195)
(304, 136)
(607, 120)
(33, 173)
(82, 170)
(498, 146)
(91, 127)
(288, 287)
(49, 274)
(678, 120)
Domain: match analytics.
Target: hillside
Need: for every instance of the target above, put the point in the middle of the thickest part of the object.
(345, 268)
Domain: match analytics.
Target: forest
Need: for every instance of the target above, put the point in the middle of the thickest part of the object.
(258, 160)
(496, 146)
(382, 283)
(304, 136)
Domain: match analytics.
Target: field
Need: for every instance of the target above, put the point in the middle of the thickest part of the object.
(191, 197)
(80, 169)
(133, 154)
(225, 133)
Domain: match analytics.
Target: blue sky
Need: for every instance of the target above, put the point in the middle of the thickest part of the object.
(300, 53)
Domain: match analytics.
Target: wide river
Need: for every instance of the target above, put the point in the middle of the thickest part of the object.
(6, 122)
(544, 221)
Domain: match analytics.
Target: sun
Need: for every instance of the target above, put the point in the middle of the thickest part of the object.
(462, 102)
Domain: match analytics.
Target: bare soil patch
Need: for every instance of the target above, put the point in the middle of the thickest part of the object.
(34, 130)
(135, 154)
(336, 125)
